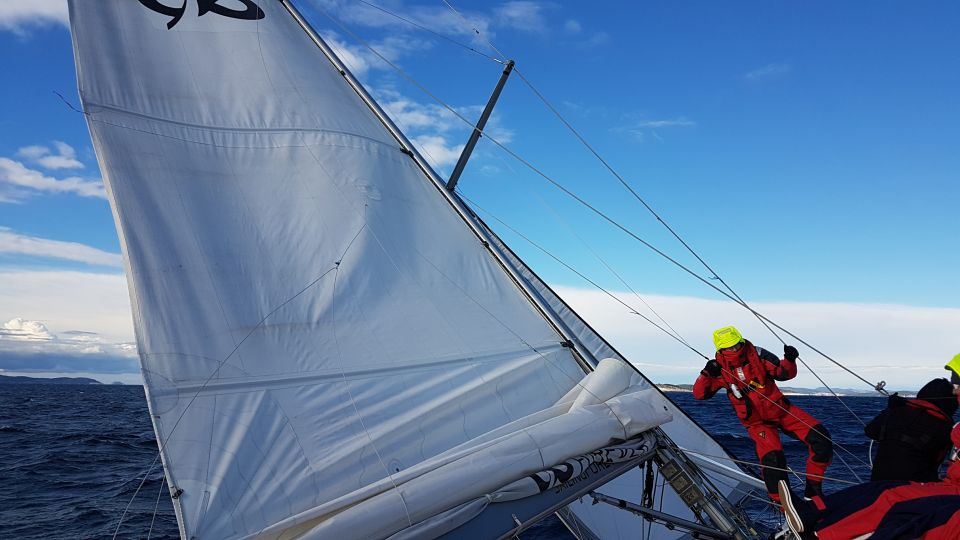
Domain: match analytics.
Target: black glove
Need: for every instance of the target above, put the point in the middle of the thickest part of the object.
(712, 368)
(790, 353)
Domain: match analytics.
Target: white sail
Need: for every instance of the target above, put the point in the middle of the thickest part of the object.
(312, 317)
(329, 347)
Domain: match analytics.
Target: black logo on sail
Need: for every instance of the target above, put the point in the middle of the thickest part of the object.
(249, 11)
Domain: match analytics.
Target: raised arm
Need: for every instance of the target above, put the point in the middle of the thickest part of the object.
(781, 370)
(708, 382)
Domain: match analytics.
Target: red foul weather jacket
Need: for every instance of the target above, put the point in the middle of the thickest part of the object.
(953, 471)
(749, 377)
(896, 510)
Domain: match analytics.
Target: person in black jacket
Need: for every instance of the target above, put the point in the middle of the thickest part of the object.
(914, 434)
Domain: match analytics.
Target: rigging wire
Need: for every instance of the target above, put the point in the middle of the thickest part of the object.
(638, 197)
(600, 213)
(812, 428)
(612, 171)
(750, 494)
(156, 506)
(836, 395)
(784, 469)
(632, 310)
(876, 386)
(572, 231)
(676, 235)
(606, 164)
(546, 252)
(431, 31)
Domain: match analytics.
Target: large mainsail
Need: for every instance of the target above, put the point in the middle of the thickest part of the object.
(325, 339)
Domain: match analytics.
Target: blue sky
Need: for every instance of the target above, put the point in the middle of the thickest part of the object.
(807, 152)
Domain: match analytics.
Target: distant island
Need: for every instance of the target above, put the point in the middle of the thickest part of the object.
(19, 379)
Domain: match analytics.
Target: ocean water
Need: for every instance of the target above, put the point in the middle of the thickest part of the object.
(71, 458)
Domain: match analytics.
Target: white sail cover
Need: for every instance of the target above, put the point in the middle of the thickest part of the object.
(313, 317)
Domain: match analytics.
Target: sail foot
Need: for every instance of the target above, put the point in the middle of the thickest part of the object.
(496, 466)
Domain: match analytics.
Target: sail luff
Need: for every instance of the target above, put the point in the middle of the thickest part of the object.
(586, 359)
(116, 212)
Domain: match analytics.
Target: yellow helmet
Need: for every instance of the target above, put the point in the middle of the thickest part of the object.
(954, 367)
(729, 336)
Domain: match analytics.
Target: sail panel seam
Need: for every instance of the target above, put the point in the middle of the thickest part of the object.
(91, 109)
(296, 379)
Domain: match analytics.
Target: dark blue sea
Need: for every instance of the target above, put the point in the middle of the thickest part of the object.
(71, 458)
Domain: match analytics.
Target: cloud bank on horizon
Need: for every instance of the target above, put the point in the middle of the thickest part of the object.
(65, 323)
(903, 345)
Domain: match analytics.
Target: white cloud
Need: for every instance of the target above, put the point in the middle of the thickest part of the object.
(642, 128)
(360, 60)
(67, 302)
(65, 158)
(18, 244)
(438, 19)
(18, 182)
(19, 15)
(768, 71)
(355, 58)
(904, 345)
(33, 345)
(475, 27)
(522, 15)
(18, 329)
(33, 152)
(597, 39)
(431, 127)
(437, 150)
(66, 324)
(411, 116)
(674, 122)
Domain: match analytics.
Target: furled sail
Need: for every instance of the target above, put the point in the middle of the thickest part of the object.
(329, 346)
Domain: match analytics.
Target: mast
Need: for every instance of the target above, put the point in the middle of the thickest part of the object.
(477, 131)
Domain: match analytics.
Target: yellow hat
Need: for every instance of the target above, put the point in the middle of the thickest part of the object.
(954, 366)
(729, 336)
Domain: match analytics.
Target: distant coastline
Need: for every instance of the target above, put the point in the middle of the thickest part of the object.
(688, 388)
(792, 391)
(20, 379)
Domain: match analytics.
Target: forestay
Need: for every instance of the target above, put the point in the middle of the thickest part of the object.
(314, 320)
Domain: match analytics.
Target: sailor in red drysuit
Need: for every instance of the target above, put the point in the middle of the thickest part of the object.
(887, 510)
(748, 373)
